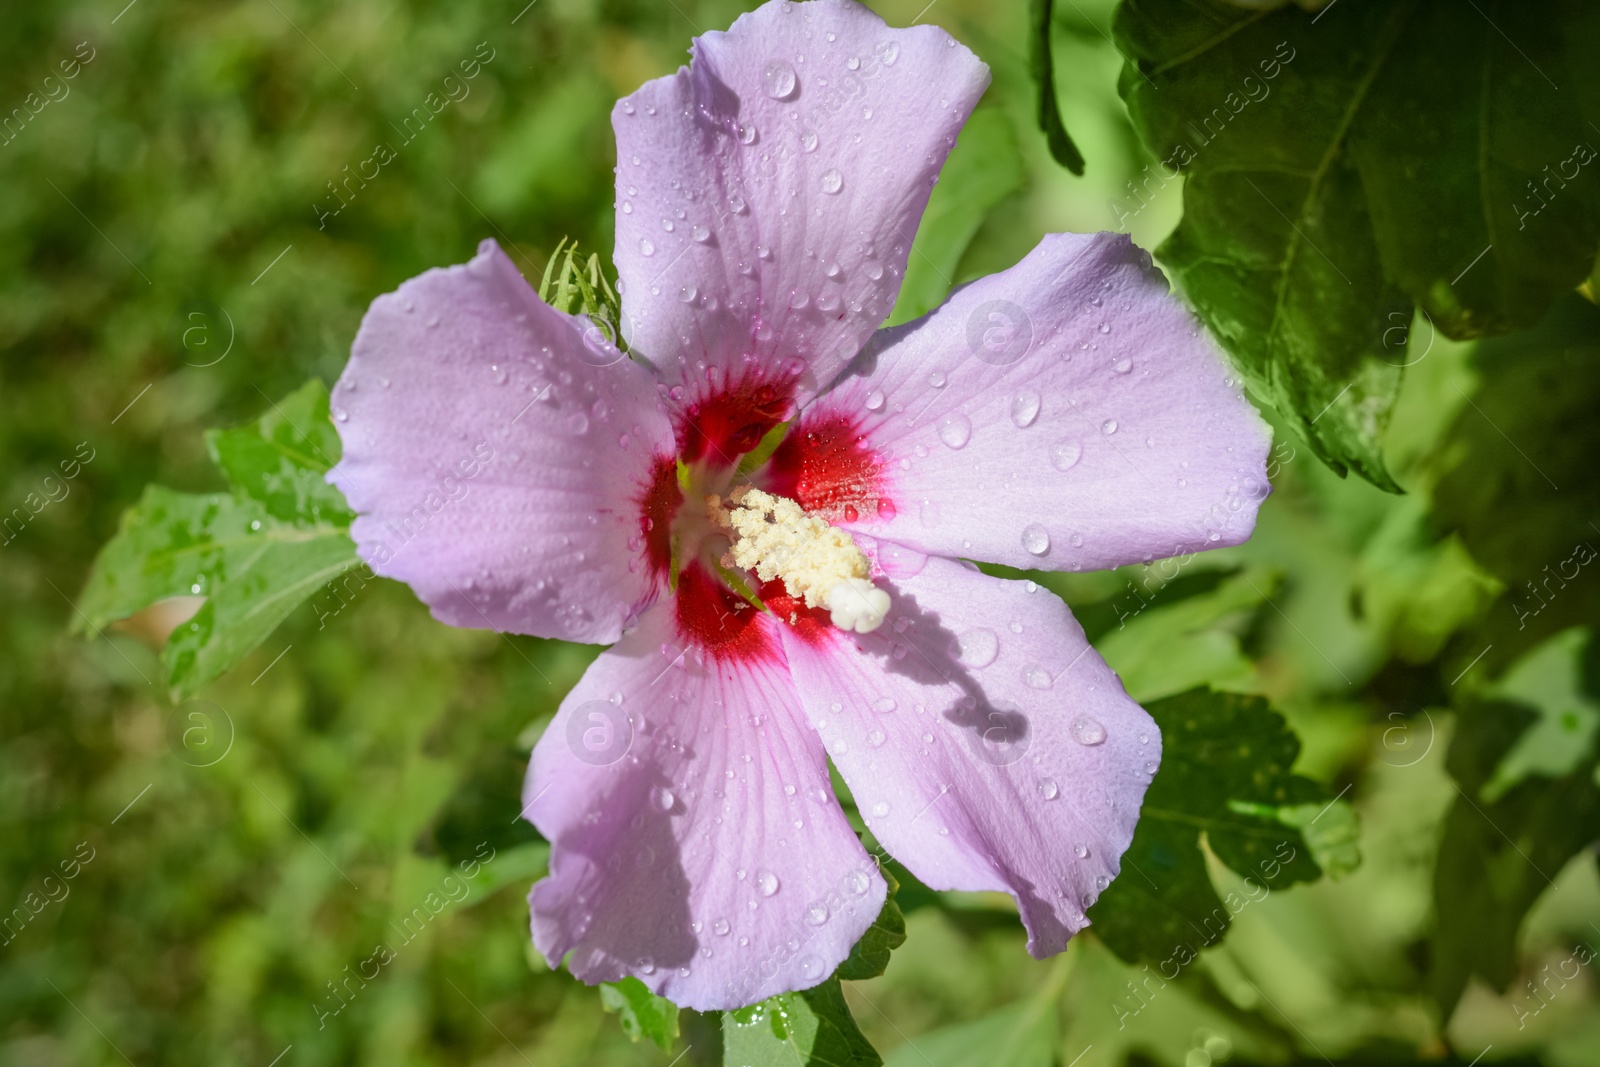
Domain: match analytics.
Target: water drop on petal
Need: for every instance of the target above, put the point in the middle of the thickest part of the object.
(1024, 409)
(1064, 455)
(977, 648)
(1036, 539)
(1087, 731)
(955, 429)
(779, 79)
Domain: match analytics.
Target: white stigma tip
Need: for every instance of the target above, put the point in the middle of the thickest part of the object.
(856, 604)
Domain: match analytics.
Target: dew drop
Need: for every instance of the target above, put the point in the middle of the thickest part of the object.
(978, 647)
(720, 928)
(646, 248)
(766, 883)
(1048, 788)
(875, 401)
(955, 429)
(817, 913)
(880, 809)
(1123, 366)
(1087, 731)
(700, 233)
(779, 79)
(1036, 539)
(808, 140)
(1024, 409)
(1064, 455)
(1108, 427)
(832, 181)
(876, 738)
(857, 883)
(1082, 852)
(1037, 678)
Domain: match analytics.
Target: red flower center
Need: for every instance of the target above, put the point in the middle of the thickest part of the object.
(824, 463)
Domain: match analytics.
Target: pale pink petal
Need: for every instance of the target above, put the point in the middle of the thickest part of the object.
(1066, 414)
(987, 745)
(498, 458)
(697, 843)
(767, 195)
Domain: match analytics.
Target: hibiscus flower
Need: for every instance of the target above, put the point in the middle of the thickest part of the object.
(773, 607)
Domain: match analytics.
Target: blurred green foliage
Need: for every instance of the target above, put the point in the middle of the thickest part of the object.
(318, 857)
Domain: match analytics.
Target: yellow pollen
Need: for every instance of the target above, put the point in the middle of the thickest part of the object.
(819, 564)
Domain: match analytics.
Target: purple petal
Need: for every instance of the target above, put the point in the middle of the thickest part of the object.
(987, 745)
(718, 240)
(1066, 414)
(696, 840)
(483, 450)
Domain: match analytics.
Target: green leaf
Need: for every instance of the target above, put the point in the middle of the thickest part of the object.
(1041, 64)
(1332, 832)
(1172, 647)
(282, 459)
(811, 1028)
(1496, 858)
(1525, 447)
(1018, 1035)
(1225, 773)
(869, 957)
(1340, 173)
(253, 589)
(642, 1013)
(984, 168)
(255, 554)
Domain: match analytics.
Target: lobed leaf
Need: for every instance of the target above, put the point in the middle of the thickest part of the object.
(869, 957)
(1345, 166)
(1225, 773)
(255, 554)
(811, 1028)
(641, 1012)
